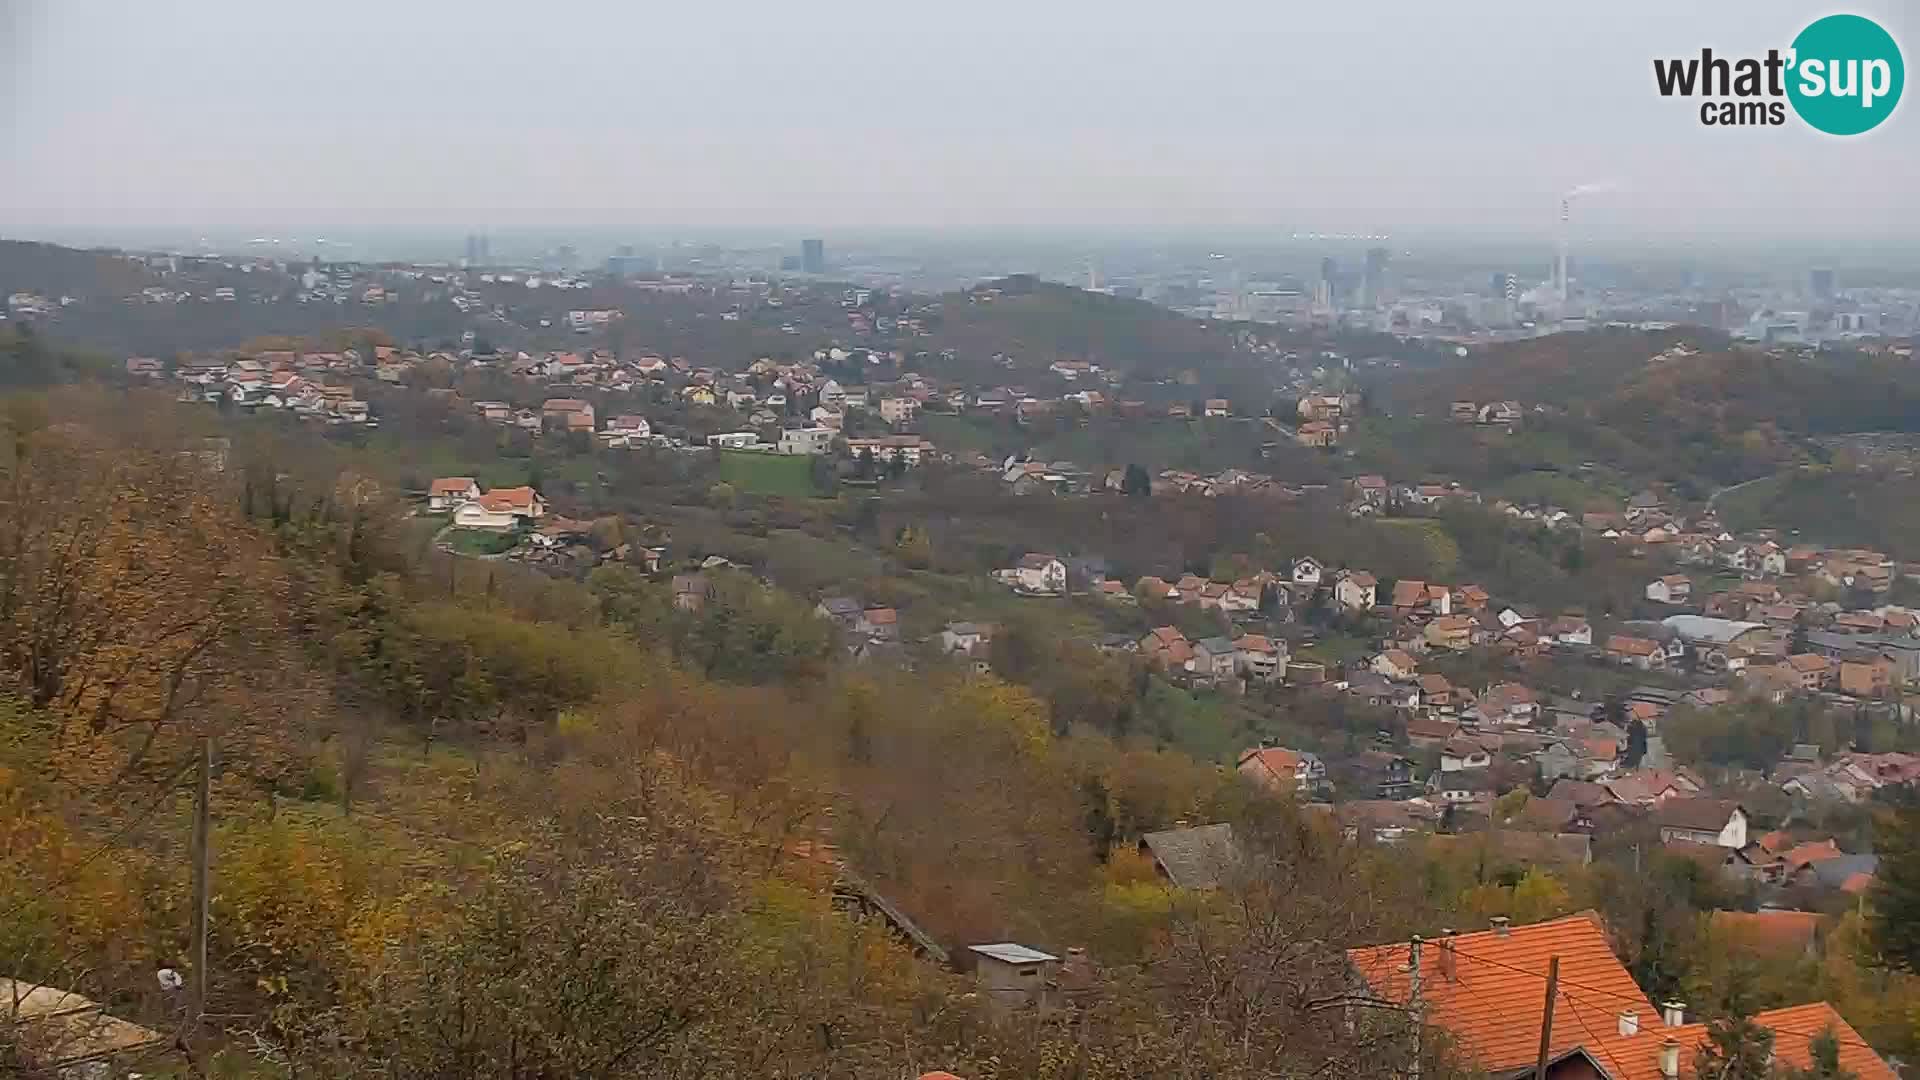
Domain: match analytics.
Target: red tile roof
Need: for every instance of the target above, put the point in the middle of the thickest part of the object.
(520, 498)
(1493, 998)
(1637, 1057)
(1771, 931)
(1493, 1001)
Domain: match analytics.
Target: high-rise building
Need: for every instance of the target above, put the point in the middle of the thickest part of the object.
(1820, 281)
(477, 249)
(813, 256)
(1374, 278)
(1504, 285)
(1329, 289)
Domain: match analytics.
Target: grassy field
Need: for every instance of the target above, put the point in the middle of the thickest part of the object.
(479, 541)
(767, 474)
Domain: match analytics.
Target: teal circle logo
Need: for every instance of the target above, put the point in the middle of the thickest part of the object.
(1846, 75)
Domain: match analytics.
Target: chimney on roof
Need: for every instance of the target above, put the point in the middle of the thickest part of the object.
(1674, 1013)
(1670, 1059)
(1446, 954)
(1629, 1023)
(1500, 924)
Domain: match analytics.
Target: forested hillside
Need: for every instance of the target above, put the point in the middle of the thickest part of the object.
(1686, 409)
(470, 821)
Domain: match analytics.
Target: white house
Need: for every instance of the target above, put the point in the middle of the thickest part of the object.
(501, 509)
(1459, 754)
(1279, 769)
(1720, 822)
(1671, 589)
(810, 441)
(1306, 571)
(899, 410)
(966, 637)
(448, 492)
(1040, 575)
(1355, 590)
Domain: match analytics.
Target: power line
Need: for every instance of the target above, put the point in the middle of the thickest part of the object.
(73, 873)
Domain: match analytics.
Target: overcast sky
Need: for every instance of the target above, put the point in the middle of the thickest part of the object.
(1208, 112)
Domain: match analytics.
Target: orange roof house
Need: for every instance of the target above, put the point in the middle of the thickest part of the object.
(1783, 933)
(1488, 991)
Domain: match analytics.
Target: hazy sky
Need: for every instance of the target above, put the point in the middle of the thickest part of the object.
(1208, 112)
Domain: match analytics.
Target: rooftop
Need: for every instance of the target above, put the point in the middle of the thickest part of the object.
(1008, 953)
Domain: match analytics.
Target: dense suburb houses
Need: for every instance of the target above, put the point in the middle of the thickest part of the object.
(1584, 769)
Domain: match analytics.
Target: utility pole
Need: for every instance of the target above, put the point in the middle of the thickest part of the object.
(202, 852)
(1413, 1003)
(1546, 1020)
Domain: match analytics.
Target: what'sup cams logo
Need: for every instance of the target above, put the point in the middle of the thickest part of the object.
(1843, 75)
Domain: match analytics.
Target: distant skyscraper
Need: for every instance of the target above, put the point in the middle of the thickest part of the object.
(813, 256)
(1821, 281)
(1374, 279)
(1329, 289)
(1504, 285)
(476, 249)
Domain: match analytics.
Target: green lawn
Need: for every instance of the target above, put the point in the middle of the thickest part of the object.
(480, 541)
(753, 473)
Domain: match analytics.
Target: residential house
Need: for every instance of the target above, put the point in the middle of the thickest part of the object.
(1451, 632)
(1435, 691)
(1866, 678)
(898, 411)
(969, 638)
(448, 492)
(1214, 659)
(1464, 753)
(1263, 659)
(1394, 664)
(1811, 670)
(1570, 630)
(1039, 574)
(806, 441)
(1384, 774)
(567, 414)
(1166, 647)
(1306, 572)
(1702, 821)
(1671, 589)
(629, 427)
(690, 592)
(1483, 989)
(1461, 786)
(501, 509)
(1200, 857)
(1508, 705)
(1281, 770)
(1636, 652)
(843, 611)
(878, 623)
(1430, 731)
(911, 449)
(1409, 596)
(1315, 433)
(1370, 490)
(1355, 590)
